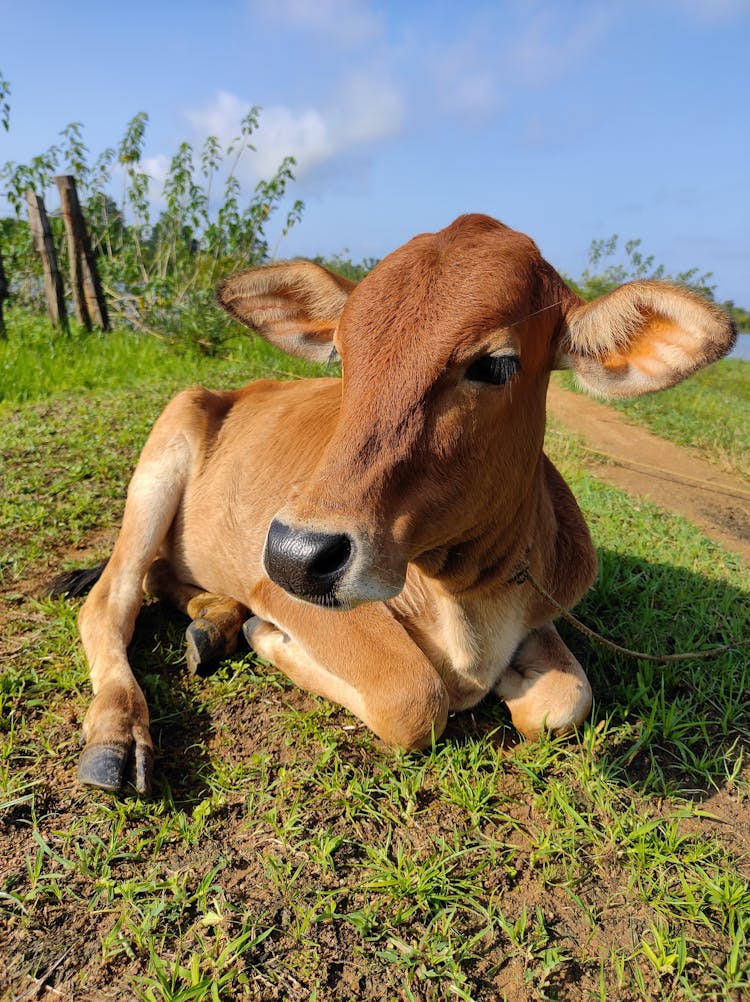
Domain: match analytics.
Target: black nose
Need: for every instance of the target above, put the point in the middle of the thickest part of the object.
(307, 564)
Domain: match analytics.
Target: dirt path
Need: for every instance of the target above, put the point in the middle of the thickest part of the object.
(650, 467)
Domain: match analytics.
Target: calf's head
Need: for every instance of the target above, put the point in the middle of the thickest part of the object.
(446, 348)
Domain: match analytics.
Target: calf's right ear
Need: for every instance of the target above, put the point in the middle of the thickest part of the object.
(295, 305)
(642, 337)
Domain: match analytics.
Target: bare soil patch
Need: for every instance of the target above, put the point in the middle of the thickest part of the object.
(631, 458)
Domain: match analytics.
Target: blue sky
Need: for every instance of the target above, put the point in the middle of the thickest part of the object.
(567, 120)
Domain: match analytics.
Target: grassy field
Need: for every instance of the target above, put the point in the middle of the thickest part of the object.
(285, 854)
(709, 412)
(36, 364)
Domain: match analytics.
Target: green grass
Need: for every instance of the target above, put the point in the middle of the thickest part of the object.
(37, 363)
(287, 855)
(709, 412)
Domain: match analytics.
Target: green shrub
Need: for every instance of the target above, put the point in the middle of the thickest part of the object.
(158, 275)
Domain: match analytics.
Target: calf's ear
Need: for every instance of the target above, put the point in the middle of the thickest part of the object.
(642, 337)
(295, 305)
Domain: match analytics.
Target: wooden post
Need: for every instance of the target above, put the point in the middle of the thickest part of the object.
(88, 297)
(3, 294)
(53, 286)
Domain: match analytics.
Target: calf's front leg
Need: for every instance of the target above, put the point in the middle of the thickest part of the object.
(362, 659)
(545, 687)
(116, 726)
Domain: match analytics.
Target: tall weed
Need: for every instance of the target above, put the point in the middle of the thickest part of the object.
(159, 274)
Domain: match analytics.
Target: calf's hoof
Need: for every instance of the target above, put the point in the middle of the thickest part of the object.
(249, 627)
(112, 766)
(205, 645)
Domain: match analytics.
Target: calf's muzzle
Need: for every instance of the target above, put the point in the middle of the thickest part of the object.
(306, 564)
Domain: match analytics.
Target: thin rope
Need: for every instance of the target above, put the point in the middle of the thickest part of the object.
(525, 575)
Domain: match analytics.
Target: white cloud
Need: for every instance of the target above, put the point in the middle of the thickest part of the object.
(474, 95)
(220, 118)
(466, 81)
(366, 110)
(552, 44)
(156, 167)
(344, 22)
(304, 135)
(501, 54)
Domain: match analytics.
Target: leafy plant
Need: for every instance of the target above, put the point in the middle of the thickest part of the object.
(343, 265)
(4, 103)
(159, 275)
(604, 274)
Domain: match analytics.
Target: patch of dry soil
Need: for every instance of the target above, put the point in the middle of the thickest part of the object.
(646, 466)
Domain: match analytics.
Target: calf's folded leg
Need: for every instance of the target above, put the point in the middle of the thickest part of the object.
(545, 686)
(216, 620)
(362, 659)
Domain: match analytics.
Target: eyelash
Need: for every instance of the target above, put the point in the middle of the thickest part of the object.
(493, 369)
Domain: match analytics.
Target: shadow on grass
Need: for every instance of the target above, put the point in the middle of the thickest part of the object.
(181, 727)
(679, 727)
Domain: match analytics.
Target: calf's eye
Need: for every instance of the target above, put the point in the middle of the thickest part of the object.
(495, 369)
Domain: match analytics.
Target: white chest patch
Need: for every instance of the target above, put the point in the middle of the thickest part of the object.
(476, 647)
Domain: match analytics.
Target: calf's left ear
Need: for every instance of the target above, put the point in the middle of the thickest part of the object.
(296, 305)
(642, 337)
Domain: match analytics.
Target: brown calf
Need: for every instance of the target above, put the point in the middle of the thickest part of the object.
(373, 524)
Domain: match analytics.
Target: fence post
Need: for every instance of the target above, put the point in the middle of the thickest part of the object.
(88, 297)
(3, 294)
(53, 286)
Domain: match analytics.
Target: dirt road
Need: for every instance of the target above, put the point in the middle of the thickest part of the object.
(650, 467)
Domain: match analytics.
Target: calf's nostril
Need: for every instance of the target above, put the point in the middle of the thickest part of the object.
(332, 558)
